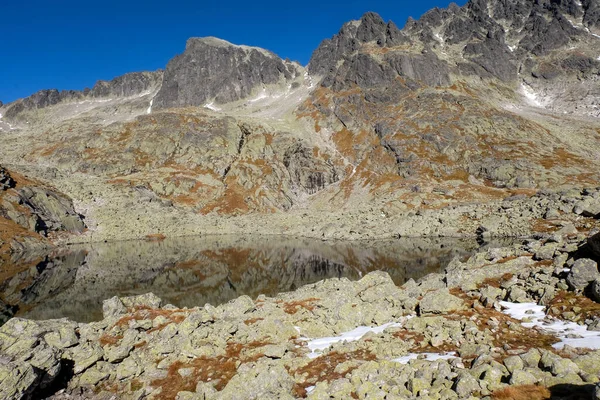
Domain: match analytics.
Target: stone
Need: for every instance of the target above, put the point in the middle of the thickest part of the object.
(92, 377)
(439, 302)
(513, 363)
(466, 385)
(63, 338)
(149, 300)
(17, 380)
(113, 307)
(583, 272)
(84, 355)
(522, 377)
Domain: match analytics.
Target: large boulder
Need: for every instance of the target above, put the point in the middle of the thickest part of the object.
(440, 302)
(583, 272)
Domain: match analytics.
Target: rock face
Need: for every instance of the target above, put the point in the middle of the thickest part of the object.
(131, 84)
(213, 70)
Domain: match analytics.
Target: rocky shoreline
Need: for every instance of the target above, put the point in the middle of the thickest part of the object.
(470, 332)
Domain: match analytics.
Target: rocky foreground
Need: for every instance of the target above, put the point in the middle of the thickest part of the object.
(448, 336)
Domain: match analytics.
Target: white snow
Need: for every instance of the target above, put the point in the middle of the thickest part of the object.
(569, 333)
(530, 95)
(318, 345)
(149, 110)
(261, 95)
(427, 356)
(211, 106)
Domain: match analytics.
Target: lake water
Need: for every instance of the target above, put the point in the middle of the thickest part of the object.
(190, 272)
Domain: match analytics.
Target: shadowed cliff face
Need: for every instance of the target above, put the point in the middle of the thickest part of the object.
(195, 271)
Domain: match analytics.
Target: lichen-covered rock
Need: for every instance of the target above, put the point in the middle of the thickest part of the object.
(17, 380)
(583, 272)
(440, 301)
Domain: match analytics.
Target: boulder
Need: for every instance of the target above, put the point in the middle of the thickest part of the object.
(583, 272)
(440, 301)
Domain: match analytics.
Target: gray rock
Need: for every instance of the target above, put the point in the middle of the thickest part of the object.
(17, 380)
(439, 302)
(144, 300)
(513, 363)
(522, 377)
(582, 273)
(212, 69)
(465, 385)
(113, 307)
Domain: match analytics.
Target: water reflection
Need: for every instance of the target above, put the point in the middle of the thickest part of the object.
(194, 271)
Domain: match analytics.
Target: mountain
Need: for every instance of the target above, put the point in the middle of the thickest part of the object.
(415, 131)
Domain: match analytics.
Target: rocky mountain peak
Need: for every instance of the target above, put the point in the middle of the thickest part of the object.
(370, 28)
(214, 70)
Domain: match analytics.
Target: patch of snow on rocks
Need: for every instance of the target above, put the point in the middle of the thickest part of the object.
(427, 356)
(569, 333)
(211, 106)
(530, 95)
(316, 346)
(261, 95)
(149, 110)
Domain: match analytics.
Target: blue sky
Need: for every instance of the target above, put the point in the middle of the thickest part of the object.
(71, 44)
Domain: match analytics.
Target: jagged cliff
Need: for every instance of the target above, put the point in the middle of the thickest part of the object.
(466, 105)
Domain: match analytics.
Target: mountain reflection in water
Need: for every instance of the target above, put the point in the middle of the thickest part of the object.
(190, 272)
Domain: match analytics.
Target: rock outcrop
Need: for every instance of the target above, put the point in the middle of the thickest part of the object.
(211, 70)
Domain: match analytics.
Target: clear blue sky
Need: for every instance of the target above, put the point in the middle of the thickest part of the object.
(71, 44)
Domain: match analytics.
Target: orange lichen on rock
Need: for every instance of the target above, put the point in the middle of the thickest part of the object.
(292, 307)
(219, 370)
(323, 368)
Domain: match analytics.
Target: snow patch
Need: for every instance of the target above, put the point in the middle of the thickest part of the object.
(427, 356)
(149, 110)
(316, 346)
(261, 95)
(211, 106)
(569, 333)
(530, 95)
